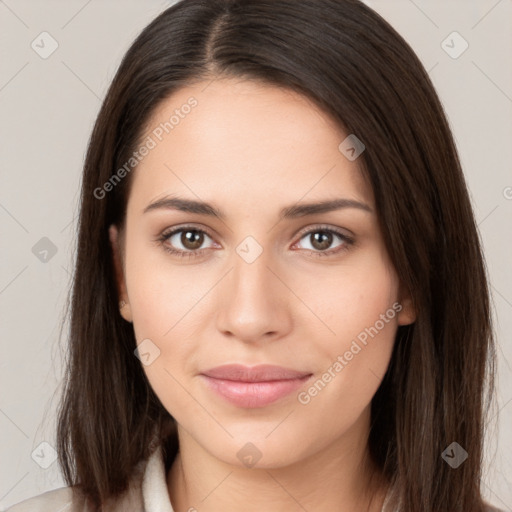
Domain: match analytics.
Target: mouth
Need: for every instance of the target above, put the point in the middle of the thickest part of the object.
(252, 387)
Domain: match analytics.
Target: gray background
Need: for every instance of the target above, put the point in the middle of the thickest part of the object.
(48, 106)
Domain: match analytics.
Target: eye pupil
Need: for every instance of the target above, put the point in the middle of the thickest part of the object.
(322, 240)
(192, 239)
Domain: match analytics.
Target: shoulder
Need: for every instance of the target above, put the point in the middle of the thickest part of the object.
(65, 500)
(58, 499)
(490, 508)
(69, 499)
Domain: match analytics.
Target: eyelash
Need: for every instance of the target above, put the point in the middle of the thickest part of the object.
(348, 241)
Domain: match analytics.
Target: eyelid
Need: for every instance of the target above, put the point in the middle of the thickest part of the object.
(319, 227)
(182, 227)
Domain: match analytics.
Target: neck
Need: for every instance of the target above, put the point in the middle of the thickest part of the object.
(339, 477)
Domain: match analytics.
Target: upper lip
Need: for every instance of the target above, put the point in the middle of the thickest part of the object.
(259, 373)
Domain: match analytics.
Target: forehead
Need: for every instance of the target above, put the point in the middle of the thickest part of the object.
(232, 140)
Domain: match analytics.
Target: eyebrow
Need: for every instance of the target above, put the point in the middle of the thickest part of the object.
(289, 212)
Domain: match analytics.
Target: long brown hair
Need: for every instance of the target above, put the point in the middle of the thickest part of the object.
(358, 69)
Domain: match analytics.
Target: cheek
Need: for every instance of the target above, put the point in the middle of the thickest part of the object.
(162, 295)
(166, 302)
(352, 300)
(359, 310)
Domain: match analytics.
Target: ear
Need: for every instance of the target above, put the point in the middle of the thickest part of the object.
(124, 305)
(407, 314)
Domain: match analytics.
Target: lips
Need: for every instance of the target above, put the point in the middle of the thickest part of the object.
(260, 373)
(255, 386)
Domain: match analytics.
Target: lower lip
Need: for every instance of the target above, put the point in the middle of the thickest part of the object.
(254, 394)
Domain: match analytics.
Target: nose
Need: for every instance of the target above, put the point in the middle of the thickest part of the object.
(254, 301)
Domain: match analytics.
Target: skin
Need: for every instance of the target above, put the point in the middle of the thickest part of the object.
(251, 149)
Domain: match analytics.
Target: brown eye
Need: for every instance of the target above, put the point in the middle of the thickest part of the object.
(321, 241)
(192, 239)
(185, 241)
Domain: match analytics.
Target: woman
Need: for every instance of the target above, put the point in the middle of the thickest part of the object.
(280, 300)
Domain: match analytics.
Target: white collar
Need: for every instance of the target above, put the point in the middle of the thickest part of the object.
(155, 493)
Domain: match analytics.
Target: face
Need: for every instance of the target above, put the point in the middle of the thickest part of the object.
(265, 281)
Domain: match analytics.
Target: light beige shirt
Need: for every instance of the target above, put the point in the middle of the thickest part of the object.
(146, 494)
